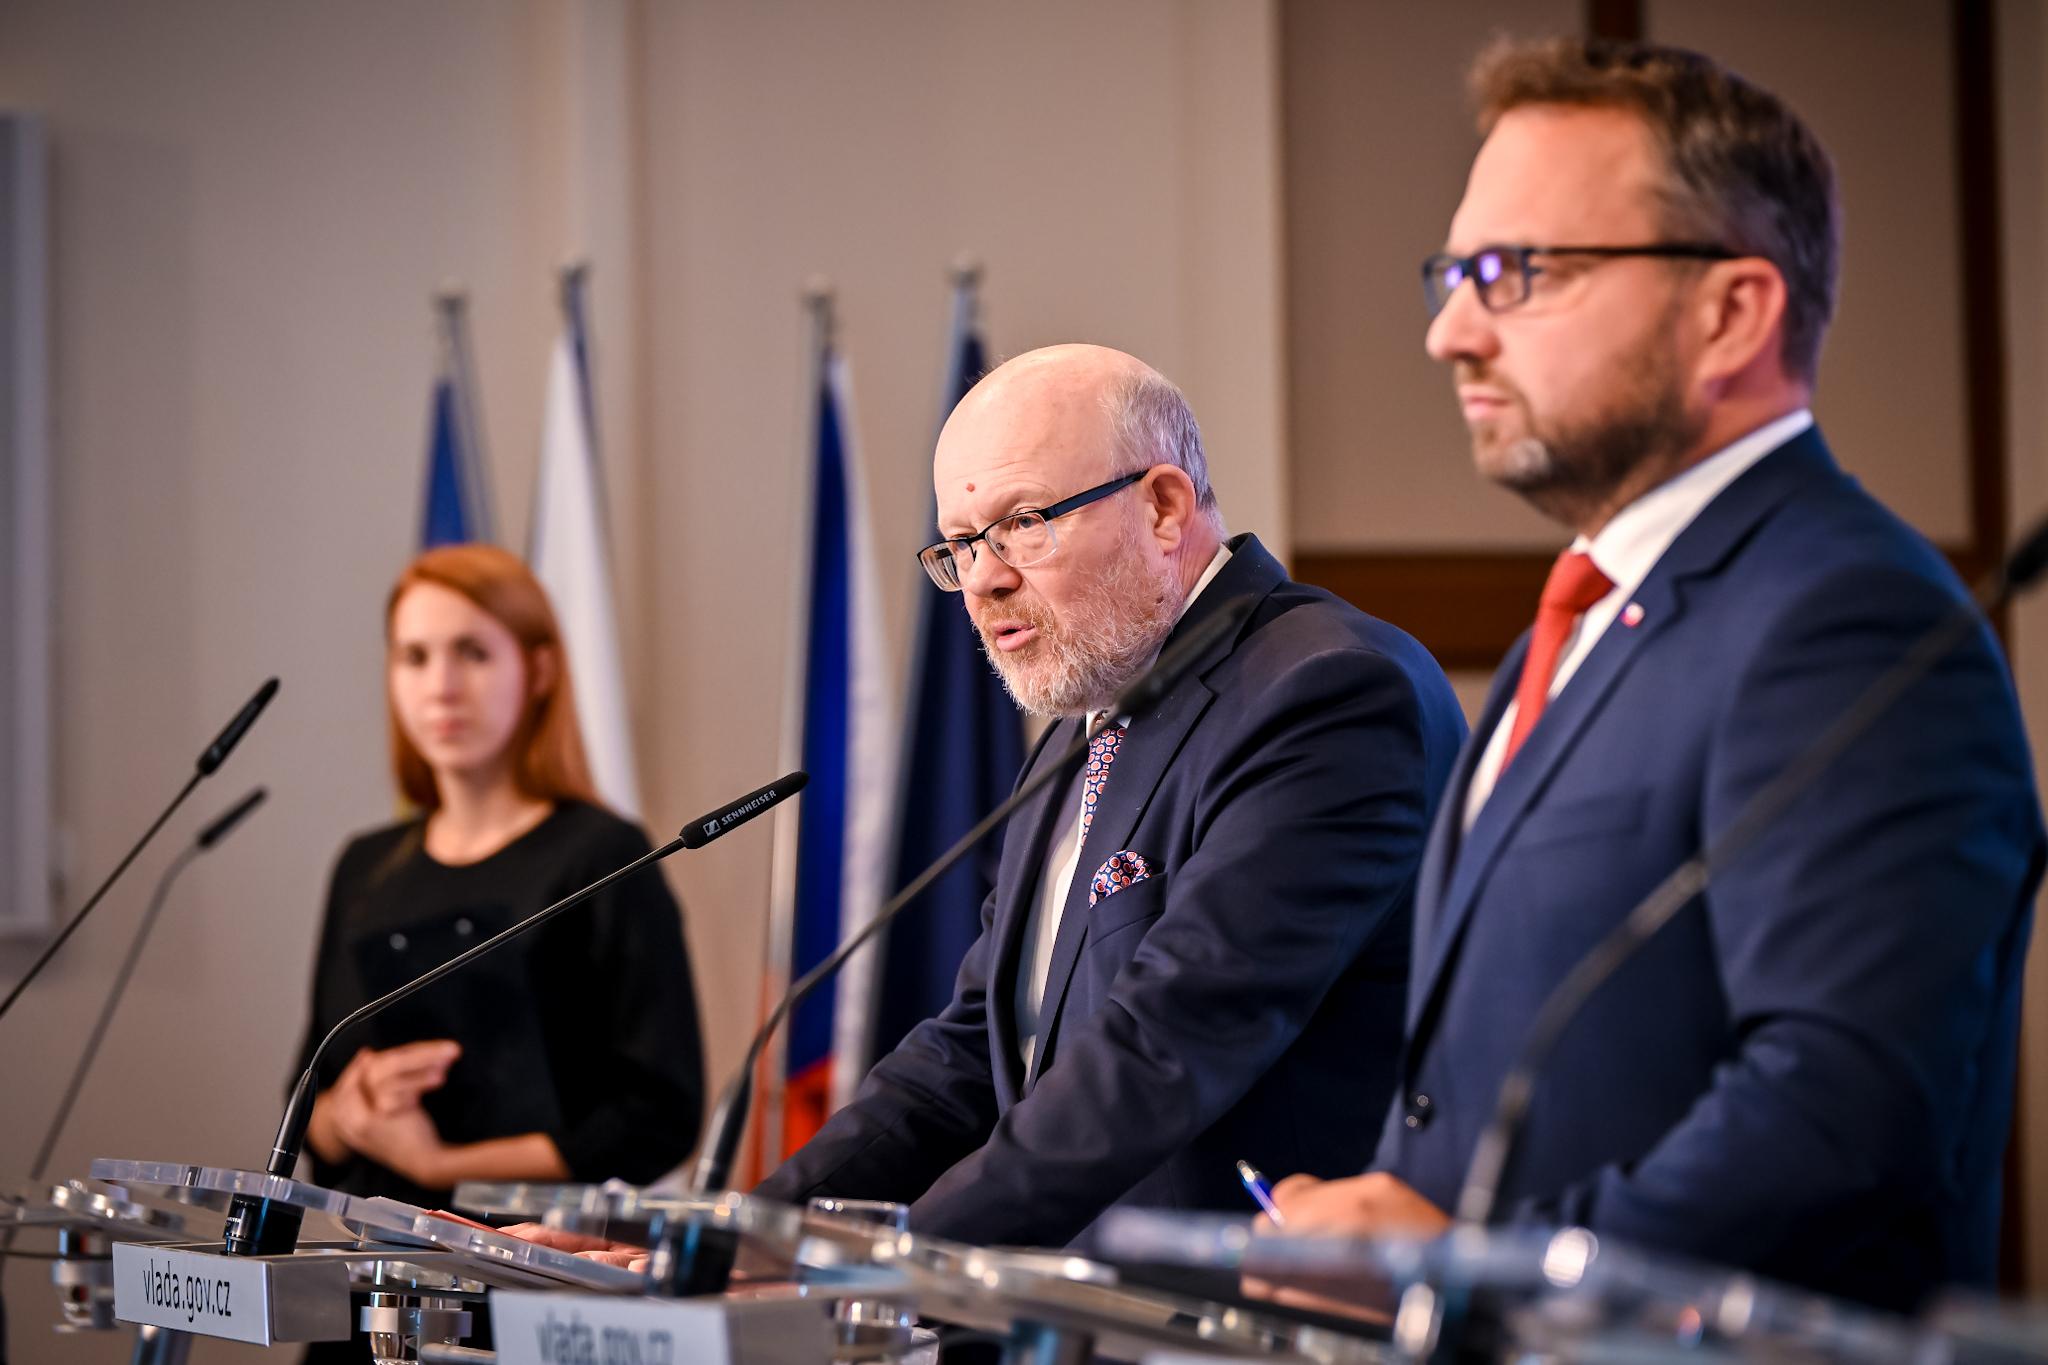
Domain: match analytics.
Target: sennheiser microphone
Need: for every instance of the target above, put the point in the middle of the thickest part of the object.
(262, 1227)
(714, 1166)
(215, 754)
(730, 817)
(1490, 1156)
(208, 837)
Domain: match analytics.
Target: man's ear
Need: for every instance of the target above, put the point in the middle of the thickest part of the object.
(1741, 313)
(1170, 504)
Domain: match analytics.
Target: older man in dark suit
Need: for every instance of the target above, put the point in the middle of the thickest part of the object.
(1196, 950)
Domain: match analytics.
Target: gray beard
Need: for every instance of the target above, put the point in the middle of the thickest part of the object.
(1110, 638)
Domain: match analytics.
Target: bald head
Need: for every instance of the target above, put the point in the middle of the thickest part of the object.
(1078, 412)
(1069, 620)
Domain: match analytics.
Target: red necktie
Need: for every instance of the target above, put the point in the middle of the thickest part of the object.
(1573, 586)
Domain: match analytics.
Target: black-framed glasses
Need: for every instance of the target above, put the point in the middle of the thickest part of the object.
(1503, 274)
(1019, 540)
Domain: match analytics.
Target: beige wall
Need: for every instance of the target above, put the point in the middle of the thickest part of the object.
(1113, 168)
(253, 203)
(1873, 79)
(251, 206)
(1379, 140)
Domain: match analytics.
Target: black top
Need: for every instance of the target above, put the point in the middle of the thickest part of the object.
(585, 1029)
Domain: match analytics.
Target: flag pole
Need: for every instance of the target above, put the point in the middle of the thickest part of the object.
(568, 544)
(773, 1086)
(575, 290)
(875, 716)
(451, 312)
(964, 278)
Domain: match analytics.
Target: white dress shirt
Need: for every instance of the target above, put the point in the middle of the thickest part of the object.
(1626, 549)
(1057, 878)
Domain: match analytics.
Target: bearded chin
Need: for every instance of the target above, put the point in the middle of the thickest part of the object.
(1081, 663)
(1523, 464)
(1565, 466)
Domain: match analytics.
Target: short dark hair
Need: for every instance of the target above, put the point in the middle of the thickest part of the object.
(1744, 171)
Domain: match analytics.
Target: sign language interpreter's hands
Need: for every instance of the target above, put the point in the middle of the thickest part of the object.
(373, 1109)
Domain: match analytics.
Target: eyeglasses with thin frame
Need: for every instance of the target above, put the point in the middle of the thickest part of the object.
(1503, 275)
(1019, 540)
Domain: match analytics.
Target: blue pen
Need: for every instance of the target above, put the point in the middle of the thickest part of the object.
(1256, 1184)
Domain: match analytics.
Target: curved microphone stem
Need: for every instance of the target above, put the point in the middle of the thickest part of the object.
(99, 1030)
(208, 763)
(113, 1002)
(728, 1120)
(259, 1226)
(58, 942)
(1495, 1148)
(291, 1132)
(206, 839)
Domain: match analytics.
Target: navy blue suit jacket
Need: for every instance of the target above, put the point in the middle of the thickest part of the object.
(1809, 1072)
(1243, 1002)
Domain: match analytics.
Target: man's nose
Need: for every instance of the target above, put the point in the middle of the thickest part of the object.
(988, 575)
(1462, 329)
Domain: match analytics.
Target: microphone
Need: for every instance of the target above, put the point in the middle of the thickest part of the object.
(261, 1227)
(215, 754)
(231, 734)
(208, 837)
(730, 817)
(1490, 1156)
(225, 823)
(714, 1165)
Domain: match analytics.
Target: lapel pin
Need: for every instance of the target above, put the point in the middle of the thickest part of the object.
(1632, 615)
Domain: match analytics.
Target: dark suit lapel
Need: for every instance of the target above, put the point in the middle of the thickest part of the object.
(1544, 749)
(1141, 761)
(1702, 548)
(1148, 750)
(1440, 854)
(1017, 882)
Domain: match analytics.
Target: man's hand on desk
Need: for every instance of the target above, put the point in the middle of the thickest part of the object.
(754, 1266)
(622, 1254)
(1369, 1206)
(1374, 1205)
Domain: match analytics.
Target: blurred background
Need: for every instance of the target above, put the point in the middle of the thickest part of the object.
(251, 205)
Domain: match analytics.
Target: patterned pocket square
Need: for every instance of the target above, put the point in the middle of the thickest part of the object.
(1117, 872)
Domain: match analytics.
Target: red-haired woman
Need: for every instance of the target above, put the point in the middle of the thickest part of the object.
(570, 1054)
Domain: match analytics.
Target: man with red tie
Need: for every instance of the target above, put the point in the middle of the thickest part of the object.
(1809, 1071)
(1196, 949)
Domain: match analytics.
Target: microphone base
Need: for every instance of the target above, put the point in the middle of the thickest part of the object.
(1468, 1325)
(261, 1227)
(690, 1259)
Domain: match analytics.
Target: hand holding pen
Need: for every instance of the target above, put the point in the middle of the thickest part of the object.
(1256, 1185)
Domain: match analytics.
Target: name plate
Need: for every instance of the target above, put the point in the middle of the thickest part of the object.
(262, 1300)
(539, 1328)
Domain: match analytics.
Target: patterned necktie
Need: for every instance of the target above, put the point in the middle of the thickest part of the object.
(1101, 753)
(1574, 585)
